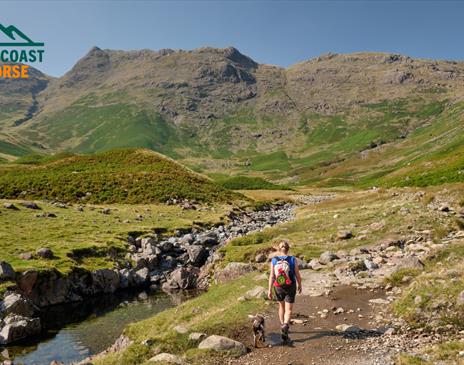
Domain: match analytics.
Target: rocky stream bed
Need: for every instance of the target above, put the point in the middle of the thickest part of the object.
(179, 262)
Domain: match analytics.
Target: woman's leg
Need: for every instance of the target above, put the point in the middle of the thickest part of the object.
(282, 312)
(288, 312)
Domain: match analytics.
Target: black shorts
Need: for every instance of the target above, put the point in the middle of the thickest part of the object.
(285, 294)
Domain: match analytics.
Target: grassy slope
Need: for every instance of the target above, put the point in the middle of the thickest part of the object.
(85, 238)
(249, 183)
(438, 287)
(130, 176)
(315, 228)
(322, 149)
(214, 312)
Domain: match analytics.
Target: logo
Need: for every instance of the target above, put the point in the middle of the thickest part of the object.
(17, 49)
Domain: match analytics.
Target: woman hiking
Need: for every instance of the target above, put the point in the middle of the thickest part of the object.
(285, 280)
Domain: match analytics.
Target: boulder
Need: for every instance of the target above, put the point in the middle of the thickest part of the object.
(444, 207)
(126, 278)
(48, 287)
(44, 253)
(30, 205)
(232, 271)
(370, 265)
(145, 259)
(208, 240)
(197, 336)
(180, 329)
(17, 328)
(187, 239)
(182, 278)
(105, 281)
(10, 206)
(256, 292)
(197, 255)
(409, 262)
(141, 276)
(166, 358)
(220, 343)
(6, 271)
(314, 264)
(18, 305)
(168, 263)
(166, 246)
(327, 257)
(26, 256)
(344, 235)
(148, 245)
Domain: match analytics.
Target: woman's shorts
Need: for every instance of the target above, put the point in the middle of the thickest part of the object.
(285, 294)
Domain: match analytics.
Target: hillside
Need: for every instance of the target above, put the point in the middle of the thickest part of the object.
(335, 119)
(119, 176)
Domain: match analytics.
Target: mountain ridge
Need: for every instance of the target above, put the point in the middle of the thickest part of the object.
(217, 109)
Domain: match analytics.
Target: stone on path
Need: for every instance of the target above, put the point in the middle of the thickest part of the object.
(220, 344)
(348, 328)
(379, 301)
(327, 257)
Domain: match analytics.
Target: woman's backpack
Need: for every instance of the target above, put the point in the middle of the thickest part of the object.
(282, 269)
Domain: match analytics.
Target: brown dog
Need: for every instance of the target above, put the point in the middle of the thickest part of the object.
(258, 330)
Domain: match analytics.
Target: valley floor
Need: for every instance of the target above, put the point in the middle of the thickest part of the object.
(392, 259)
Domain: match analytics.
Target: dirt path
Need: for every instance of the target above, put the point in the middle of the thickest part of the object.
(316, 341)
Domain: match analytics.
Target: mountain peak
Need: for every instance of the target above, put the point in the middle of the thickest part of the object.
(235, 56)
(95, 63)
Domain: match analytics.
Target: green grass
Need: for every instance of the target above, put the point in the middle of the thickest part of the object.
(438, 305)
(446, 353)
(87, 126)
(119, 176)
(249, 183)
(406, 359)
(315, 227)
(36, 158)
(13, 149)
(215, 312)
(84, 239)
(273, 161)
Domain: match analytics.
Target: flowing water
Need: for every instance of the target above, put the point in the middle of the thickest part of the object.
(77, 331)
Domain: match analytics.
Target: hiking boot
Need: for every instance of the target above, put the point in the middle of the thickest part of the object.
(284, 332)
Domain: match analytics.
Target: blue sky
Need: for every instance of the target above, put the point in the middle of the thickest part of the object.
(274, 32)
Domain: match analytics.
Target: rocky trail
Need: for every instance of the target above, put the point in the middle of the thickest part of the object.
(343, 317)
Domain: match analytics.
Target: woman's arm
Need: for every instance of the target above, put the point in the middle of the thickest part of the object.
(271, 281)
(298, 277)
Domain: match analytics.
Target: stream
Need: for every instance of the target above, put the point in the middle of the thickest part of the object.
(77, 331)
